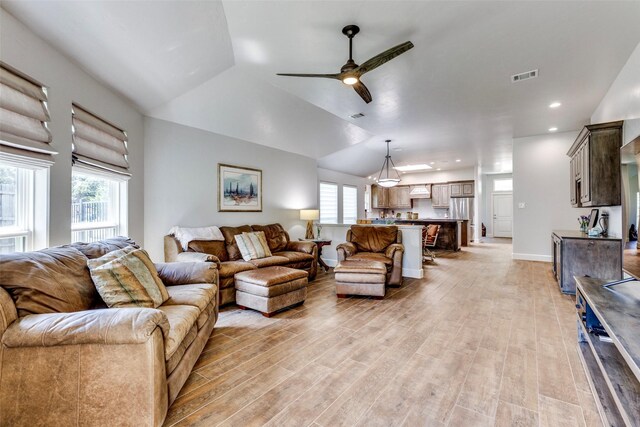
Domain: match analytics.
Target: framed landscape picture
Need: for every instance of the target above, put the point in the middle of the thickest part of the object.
(239, 189)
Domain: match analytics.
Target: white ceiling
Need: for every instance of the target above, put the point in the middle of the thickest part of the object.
(449, 97)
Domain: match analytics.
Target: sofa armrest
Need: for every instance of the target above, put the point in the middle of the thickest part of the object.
(105, 326)
(345, 250)
(8, 312)
(197, 257)
(186, 273)
(301, 246)
(392, 249)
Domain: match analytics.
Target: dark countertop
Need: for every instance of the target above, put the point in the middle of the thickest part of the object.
(577, 234)
(428, 220)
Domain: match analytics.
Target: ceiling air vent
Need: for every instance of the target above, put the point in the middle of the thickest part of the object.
(524, 76)
(356, 116)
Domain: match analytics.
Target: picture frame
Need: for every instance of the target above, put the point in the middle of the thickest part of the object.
(239, 189)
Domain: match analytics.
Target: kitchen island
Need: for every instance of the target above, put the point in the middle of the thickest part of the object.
(453, 232)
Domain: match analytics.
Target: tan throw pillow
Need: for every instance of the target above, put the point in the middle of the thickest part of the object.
(128, 278)
(253, 245)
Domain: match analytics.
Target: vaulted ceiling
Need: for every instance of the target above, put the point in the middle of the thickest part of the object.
(212, 65)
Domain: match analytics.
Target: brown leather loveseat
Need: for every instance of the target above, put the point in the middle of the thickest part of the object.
(375, 243)
(64, 360)
(299, 255)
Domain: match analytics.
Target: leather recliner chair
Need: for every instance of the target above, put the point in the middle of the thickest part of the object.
(375, 243)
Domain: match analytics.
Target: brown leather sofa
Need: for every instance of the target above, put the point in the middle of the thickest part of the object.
(375, 243)
(300, 255)
(96, 366)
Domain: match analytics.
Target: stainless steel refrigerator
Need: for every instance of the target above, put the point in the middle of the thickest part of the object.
(462, 208)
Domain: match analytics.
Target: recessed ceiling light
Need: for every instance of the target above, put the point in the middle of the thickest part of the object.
(497, 163)
(555, 104)
(458, 160)
(439, 169)
(432, 163)
(553, 129)
(410, 168)
(397, 149)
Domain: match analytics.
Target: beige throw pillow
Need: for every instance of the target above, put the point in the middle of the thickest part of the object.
(128, 278)
(253, 245)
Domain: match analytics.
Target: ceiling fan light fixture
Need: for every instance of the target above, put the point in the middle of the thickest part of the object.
(350, 80)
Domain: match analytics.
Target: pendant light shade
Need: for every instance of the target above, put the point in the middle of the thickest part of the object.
(385, 179)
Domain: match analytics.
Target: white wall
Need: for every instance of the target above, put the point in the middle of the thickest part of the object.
(487, 200)
(67, 83)
(541, 181)
(181, 174)
(341, 179)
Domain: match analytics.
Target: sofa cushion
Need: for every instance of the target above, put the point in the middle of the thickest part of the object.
(197, 295)
(229, 234)
(176, 357)
(128, 278)
(230, 268)
(295, 256)
(269, 261)
(54, 280)
(277, 237)
(253, 245)
(373, 239)
(181, 319)
(212, 247)
(103, 247)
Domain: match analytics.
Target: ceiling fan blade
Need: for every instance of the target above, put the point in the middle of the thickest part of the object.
(362, 91)
(326, 76)
(380, 59)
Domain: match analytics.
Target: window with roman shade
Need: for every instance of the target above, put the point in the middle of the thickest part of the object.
(25, 139)
(98, 146)
(328, 203)
(349, 204)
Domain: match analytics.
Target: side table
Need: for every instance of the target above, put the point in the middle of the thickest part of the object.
(320, 243)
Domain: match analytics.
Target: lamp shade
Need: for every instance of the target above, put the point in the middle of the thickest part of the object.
(309, 214)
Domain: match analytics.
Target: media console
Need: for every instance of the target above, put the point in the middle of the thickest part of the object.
(609, 346)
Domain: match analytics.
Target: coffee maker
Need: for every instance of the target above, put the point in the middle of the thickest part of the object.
(604, 222)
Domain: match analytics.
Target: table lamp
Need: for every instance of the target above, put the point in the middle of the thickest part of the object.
(309, 215)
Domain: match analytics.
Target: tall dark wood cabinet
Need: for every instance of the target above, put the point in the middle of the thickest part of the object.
(576, 254)
(595, 166)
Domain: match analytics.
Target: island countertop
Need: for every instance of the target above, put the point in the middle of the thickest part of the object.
(577, 234)
(428, 220)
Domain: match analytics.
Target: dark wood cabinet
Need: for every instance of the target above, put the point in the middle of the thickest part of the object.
(594, 175)
(576, 254)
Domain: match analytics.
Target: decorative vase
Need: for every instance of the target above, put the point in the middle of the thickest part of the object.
(583, 228)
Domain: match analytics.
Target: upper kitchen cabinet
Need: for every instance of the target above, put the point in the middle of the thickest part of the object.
(379, 197)
(440, 196)
(594, 176)
(392, 198)
(462, 189)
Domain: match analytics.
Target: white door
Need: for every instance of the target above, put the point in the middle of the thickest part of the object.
(502, 215)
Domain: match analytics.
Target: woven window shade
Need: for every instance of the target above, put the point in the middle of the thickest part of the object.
(23, 119)
(97, 145)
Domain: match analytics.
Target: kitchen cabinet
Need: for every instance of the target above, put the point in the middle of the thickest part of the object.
(390, 198)
(577, 254)
(462, 189)
(594, 168)
(440, 196)
(379, 197)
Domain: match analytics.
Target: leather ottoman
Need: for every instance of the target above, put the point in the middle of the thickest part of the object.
(270, 289)
(360, 277)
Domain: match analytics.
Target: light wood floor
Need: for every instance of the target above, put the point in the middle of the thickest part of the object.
(482, 340)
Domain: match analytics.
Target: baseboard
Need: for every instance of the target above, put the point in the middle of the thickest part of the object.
(532, 257)
(406, 272)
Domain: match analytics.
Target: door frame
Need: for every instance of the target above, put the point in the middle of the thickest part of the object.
(506, 193)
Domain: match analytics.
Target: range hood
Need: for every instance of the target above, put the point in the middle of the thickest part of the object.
(422, 191)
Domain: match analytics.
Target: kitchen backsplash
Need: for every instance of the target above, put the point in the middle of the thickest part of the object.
(422, 206)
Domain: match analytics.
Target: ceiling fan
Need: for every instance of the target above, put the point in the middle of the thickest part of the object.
(351, 72)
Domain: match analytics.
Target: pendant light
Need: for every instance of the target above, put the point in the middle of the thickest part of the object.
(387, 180)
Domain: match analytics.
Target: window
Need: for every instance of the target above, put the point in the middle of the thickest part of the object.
(328, 203)
(95, 207)
(349, 204)
(16, 206)
(503, 184)
(25, 156)
(99, 178)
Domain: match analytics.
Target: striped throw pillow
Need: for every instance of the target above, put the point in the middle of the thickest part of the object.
(253, 245)
(128, 278)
